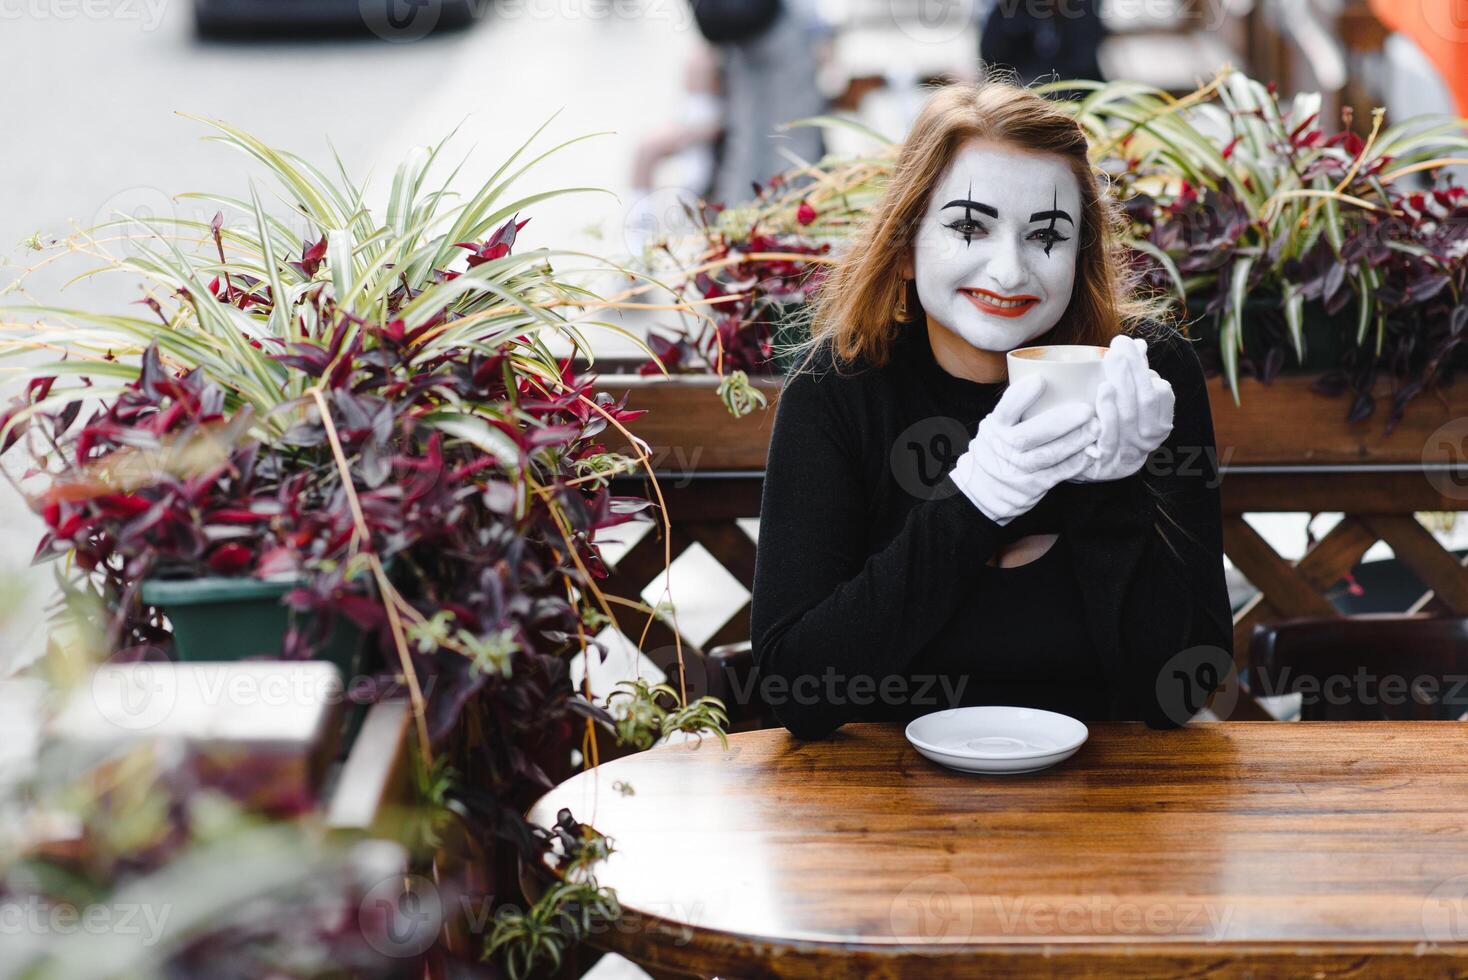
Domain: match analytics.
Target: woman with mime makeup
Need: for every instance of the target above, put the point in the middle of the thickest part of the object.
(921, 547)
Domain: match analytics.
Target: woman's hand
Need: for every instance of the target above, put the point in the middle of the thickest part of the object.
(1010, 465)
(1134, 408)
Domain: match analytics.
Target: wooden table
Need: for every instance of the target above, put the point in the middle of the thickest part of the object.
(1220, 850)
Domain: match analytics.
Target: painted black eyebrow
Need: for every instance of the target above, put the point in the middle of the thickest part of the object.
(1051, 215)
(975, 205)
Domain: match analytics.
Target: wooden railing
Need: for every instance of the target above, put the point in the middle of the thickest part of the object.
(1283, 449)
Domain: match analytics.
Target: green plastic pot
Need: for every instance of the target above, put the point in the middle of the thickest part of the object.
(218, 618)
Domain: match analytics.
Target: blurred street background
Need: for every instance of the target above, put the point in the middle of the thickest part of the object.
(104, 102)
(98, 90)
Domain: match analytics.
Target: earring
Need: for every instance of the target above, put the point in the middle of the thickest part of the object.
(900, 312)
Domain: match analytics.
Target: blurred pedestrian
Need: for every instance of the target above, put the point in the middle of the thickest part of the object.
(768, 51)
(673, 167)
(1040, 41)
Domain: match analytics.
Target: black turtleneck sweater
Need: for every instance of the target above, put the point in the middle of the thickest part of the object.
(873, 596)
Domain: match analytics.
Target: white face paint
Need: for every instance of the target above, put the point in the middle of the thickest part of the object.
(995, 255)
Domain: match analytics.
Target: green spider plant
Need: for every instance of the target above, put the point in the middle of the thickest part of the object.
(1272, 187)
(285, 265)
(1249, 199)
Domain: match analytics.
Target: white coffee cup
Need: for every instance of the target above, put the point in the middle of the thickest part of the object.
(1072, 373)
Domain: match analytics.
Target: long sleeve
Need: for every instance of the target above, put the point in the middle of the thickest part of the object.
(825, 612)
(1150, 557)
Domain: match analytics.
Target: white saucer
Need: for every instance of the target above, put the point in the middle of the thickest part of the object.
(996, 739)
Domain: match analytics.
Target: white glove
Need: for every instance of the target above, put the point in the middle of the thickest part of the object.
(1010, 465)
(1134, 408)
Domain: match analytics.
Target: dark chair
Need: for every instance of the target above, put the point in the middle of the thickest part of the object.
(734, 680)
(1364, 668)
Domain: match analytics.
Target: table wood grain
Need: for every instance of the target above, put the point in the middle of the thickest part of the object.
(1230, 849)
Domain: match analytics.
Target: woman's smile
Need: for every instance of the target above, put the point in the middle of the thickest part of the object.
(997, 305)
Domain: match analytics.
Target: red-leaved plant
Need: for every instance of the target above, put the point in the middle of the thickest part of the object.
(1294, 233)
(1254, 217)
(391, 434)
(750, 289)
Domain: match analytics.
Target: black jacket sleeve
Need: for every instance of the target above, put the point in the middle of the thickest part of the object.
(825, 612)
(1150, 557)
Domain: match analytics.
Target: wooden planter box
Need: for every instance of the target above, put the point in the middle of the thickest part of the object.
(1280, 424)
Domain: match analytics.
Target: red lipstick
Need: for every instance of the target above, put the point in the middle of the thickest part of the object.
(996, 304)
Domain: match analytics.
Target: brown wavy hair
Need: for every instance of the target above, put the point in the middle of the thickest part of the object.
(856, 307)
